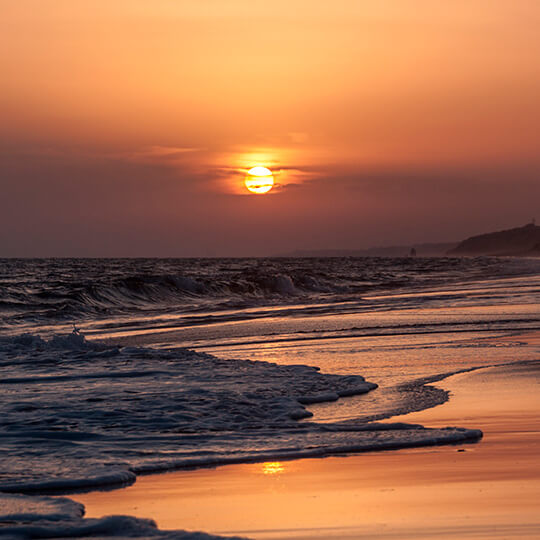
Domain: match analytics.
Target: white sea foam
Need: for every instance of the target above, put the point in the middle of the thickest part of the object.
(20, 508)
(23, 517)
(79, 414)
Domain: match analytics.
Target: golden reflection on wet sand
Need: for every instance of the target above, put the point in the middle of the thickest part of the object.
(482, 491)
(273, 467)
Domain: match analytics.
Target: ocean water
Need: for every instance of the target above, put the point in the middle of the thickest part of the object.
(114, 368)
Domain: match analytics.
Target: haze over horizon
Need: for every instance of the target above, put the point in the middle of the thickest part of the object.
(126, 127)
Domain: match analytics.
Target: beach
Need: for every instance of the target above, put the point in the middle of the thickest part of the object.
(269, 270)
(485, 490)
(287, 399)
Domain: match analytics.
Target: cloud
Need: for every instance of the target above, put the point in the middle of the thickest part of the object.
(160, 154)
(178, 202)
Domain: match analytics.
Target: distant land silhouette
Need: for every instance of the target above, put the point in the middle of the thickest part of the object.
(520, 242)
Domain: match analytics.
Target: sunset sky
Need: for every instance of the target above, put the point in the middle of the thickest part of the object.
(126, 126)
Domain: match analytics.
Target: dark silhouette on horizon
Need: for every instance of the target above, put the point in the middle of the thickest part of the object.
(519, 242)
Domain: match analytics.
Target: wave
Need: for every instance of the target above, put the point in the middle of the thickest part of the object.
(82, 414)
(59, 290)
(48, 517)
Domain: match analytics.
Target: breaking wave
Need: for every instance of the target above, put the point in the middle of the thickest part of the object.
(60, 289)
(24, 517)
(80, 414)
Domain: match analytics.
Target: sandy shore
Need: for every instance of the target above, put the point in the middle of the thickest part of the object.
(483, 491)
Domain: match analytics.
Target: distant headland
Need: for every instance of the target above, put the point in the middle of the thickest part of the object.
(519, 242)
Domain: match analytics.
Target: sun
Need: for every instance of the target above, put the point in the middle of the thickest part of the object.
(259, 180)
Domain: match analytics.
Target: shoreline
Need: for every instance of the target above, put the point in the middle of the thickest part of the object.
(231, 499)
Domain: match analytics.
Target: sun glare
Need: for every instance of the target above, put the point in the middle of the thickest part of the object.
(272, 467)
(259, 180)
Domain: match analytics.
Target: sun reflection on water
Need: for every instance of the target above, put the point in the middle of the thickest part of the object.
(272, 467)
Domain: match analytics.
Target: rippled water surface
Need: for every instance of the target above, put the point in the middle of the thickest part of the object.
(122, 394)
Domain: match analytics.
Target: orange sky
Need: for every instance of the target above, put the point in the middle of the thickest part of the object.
(125, 125)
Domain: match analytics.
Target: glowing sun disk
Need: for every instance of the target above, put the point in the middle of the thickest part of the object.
(259, 180)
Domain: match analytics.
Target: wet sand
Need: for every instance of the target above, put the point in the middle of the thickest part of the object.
(486, 490)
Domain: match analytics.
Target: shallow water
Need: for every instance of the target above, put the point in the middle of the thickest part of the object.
(122, 395)
(119, 296)
(487, 490)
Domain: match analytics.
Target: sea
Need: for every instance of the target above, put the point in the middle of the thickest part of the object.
(113, 368)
